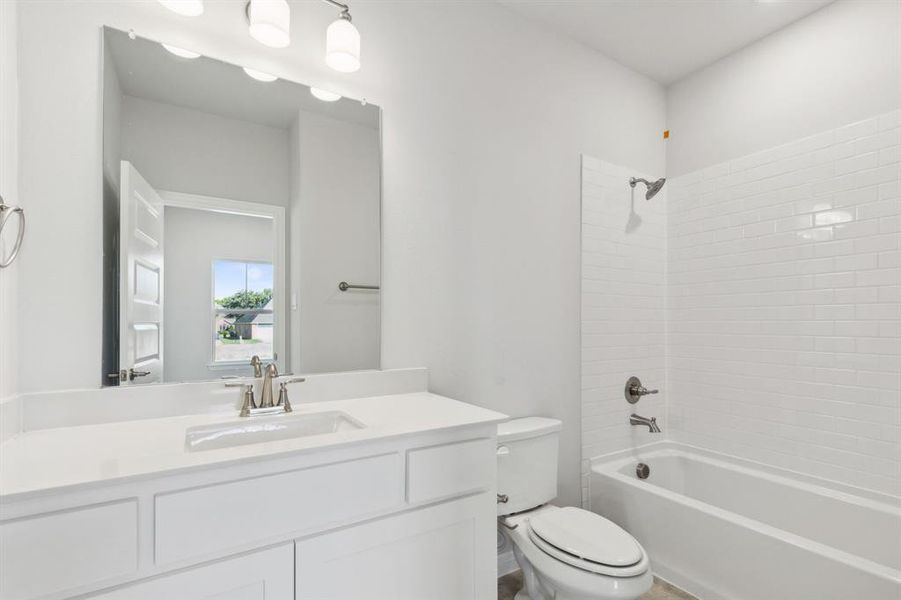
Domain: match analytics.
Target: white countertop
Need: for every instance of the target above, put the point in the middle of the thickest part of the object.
(51, 459)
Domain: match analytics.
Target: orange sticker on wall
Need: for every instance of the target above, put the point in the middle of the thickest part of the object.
(666, 134)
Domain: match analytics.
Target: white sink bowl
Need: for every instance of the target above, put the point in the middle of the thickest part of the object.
(254, 430)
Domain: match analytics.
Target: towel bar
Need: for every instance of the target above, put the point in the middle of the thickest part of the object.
(344, 286)
(6, 212)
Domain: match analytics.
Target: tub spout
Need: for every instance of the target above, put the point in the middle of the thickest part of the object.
(651, 422)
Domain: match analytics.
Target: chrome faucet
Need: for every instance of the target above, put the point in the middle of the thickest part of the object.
(651, 422)
(266, 406)
(266, 394)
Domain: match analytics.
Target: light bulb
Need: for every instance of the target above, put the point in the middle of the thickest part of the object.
(270, 22)
(342, 46)
(325, 95)
(187, 8)
(260, 75)
(181, 52)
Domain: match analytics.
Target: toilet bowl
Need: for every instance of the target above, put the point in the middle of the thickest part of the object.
(564, 553)
(552, 572)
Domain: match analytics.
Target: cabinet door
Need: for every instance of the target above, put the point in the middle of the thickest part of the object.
(265, 575)
(444, 552)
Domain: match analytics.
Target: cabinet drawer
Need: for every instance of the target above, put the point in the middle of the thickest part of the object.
(220, 517)
(450, 470)
(67, 550)
(264, 575)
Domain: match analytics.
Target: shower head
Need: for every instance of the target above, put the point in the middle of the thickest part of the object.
(653, 187)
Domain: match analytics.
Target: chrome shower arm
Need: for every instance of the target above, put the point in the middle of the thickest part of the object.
(634, 180)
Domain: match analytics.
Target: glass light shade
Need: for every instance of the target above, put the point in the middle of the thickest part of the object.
(325, 95)
(270, 22)
(342, 46)
(181, 52)
(188, 8)
(260, 75)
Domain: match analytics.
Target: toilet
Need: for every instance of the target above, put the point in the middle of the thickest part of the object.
(564, 553)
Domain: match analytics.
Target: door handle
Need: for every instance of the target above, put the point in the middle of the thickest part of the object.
(132, 374)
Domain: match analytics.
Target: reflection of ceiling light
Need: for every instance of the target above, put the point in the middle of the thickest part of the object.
(187, 8)
(181, 51)
(260, 75)
(269, 22)
(342, 45)
(832, 217)
(325, 95)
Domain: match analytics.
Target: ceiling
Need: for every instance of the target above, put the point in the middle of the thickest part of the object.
(665, 39)
(146, 70)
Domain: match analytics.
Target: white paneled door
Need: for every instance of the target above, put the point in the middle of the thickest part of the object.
(140, 280)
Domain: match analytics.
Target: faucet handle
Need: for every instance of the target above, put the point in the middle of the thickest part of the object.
(249, 402)
(283, 392)
(257, 365)
(283, 396)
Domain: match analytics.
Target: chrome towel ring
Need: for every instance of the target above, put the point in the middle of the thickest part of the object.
(6, 212)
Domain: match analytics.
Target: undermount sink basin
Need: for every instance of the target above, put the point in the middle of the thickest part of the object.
(254, 430)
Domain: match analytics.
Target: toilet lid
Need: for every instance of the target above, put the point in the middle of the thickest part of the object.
(588, 536)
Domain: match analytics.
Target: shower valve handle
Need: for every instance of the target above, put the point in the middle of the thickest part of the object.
(640, 390)
(634, 390)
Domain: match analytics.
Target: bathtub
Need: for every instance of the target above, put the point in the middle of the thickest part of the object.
(727, 529)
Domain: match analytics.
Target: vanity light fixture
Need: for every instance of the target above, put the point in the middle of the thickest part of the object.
(270, 22)
(186, 8)
(180, 52)
(342, 42)
(325, 95)
(260, 75)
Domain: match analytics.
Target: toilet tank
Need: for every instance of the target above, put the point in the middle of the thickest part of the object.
(527, 462)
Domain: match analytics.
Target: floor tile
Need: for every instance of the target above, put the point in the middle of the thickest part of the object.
(508, 585)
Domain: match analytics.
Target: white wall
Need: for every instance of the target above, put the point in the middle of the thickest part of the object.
(194, 238)
(191, 151)
(623, 311)
(481, 183)
(481, 279)
(336, 225)
(9, 189)
(785, 305)
(839, 65)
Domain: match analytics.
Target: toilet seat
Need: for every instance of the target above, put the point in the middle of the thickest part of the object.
(552, 576)
(587, 541)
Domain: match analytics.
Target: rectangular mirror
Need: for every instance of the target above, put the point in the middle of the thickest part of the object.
(241, 219)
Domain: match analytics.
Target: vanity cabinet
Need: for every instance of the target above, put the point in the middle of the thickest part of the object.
(406, 518)
(443, 552)
(263, 575)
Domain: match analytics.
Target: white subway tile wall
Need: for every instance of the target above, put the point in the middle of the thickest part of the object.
(784, 306)
(623, 295)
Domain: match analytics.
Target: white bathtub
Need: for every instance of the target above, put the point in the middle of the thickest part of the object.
(727, 529)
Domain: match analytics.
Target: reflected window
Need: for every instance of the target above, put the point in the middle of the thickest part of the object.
(243, 304)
